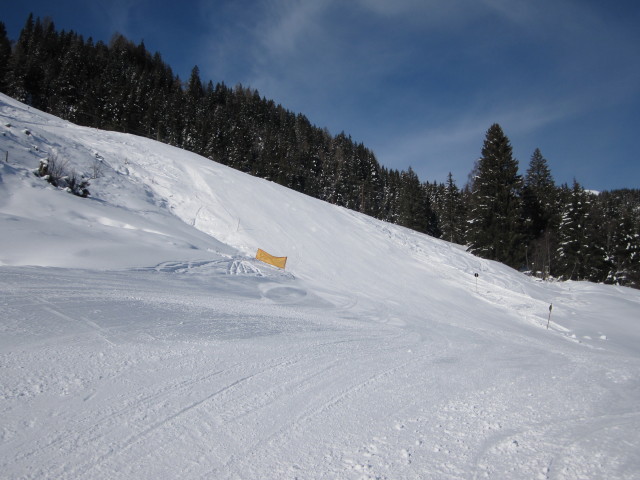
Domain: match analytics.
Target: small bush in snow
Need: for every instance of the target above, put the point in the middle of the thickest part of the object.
(96, 171)
(56, 173)
(52, 170)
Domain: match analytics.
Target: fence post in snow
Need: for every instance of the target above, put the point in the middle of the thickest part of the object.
(549, 319)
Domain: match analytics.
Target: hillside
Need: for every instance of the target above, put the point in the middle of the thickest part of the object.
(506, 212)
(141, 338)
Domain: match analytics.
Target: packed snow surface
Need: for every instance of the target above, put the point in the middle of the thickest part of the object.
(140, 338)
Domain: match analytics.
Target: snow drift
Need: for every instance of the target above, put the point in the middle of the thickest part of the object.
(142, 339)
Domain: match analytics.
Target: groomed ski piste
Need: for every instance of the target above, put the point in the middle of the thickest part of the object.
(141, 339)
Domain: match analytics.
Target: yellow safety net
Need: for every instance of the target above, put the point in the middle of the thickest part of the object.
(263, 256)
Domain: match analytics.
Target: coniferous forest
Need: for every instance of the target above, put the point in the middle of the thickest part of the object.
(525, 221)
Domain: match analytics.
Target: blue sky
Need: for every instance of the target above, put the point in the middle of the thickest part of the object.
(417, 81)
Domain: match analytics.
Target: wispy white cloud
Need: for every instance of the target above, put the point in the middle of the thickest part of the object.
(117, 14)
(402, 7)
(427, 12)
(289, 24)
(452, 14)
(258, 41)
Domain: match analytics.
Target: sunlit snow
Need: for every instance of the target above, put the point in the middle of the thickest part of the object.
(140, 338)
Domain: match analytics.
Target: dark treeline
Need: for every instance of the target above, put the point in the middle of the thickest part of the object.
(528, 223)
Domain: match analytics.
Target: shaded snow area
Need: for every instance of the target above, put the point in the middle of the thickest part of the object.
(140, 338)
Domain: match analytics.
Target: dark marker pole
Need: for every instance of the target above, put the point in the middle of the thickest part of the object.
(549, 319)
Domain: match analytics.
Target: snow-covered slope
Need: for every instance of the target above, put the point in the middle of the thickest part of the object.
(158, 347)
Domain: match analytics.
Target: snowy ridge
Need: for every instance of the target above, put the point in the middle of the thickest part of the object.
(140, 338)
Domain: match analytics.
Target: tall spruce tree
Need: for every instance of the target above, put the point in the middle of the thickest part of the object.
(597, 262)
(5, 56)
(411, 212)
(570, 231)
(538, 194)
(540, 213)
(494, 223)
(451, 212)
(193, 111)
(19, 82)
(70, 80)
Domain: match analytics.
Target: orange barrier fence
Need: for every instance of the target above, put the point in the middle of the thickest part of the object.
(263, 256)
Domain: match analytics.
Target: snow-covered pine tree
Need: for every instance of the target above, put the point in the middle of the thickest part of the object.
(451, 212)
(540, 214)
(5, 56)
(494, 226)
(580, 250)
(622, 231)
(18, 77)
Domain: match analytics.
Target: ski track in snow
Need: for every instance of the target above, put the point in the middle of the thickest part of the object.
(139, 338)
